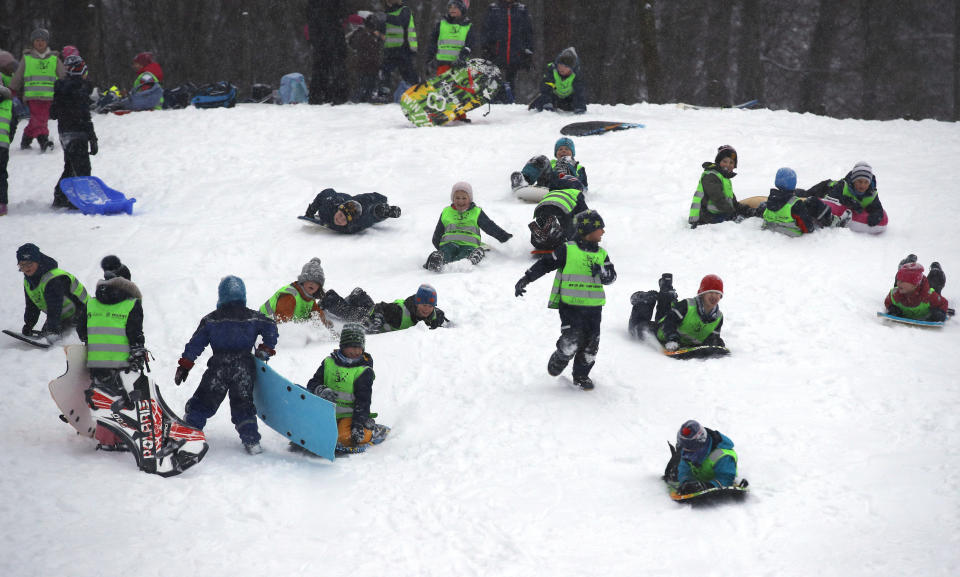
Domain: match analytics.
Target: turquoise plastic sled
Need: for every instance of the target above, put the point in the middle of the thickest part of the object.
(92, 196)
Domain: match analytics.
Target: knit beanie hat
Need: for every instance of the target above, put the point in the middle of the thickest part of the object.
(28, 252)
(112, 267)
(231, 290)
(426, 295)
(143, 59)
(786, 179)
(69, 51)
(568, 57)
(726, 151)
(587, 222)
(912, 272)
(861, 170)
(40, 33)
(463, 186)
(312, 271)
(351, 335)
(692, 441)
(711, 283)
(75, 66)
(564, 141)
(351, 209)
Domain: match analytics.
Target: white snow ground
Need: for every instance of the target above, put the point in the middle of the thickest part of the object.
(847, 427)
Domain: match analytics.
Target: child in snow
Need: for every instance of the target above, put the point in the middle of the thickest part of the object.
(402, 314)
(553, 218)
(536, 172)
(349, 214)
(71, 110)
(785, 213)
(399, 48)
(453, 41)
(857, 191)
(716, 188)
(299, 300)
(915, 295)
(688, 323)
(457, 234)
(703, 459)
(563, 87)
(6, 131)
(231, 331)
(33, 80)
(49, 289)
(346, 377)
(582, 270)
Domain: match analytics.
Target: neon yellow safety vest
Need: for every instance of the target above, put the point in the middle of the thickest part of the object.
(698, 196)
(405, 322)
(139, 81)
(579, 175)
(692, 329)
(107, 343)
(301, 310)
(76, 289)
(563, 87)
(782, 220)
(451, 40)
(919, 312)
(563, 198)
(393, 35)
(39, 74)
(704, 472)
(575, 283)
(341, 380)
(460, 227)
(6, 115)
(864, 202)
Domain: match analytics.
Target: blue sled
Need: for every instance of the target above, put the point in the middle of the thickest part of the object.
(92, 196)
(303, 418)
(907, 321)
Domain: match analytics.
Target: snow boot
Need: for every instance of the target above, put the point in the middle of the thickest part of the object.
(360, 299)
(3, 209)
(393, 211)
(383, 211)
(252, 448)
(434, 261)
(583, 382)
(556, 364)
(517, 181)
(45, 143)
(936, 278)
(476, 255)
(25, 142)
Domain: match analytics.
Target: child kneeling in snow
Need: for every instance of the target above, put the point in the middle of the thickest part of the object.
(915, 295)
(457, 234)
(688, 323)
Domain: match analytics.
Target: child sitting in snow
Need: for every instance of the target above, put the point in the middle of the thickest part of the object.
(915, 295)
(703, 459)
(349, 214)
(540, 171)
(857, 191)
(785, 213)
(688, 323)
(457, 234)
(714, 200)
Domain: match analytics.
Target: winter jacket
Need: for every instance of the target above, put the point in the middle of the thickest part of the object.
(362, 384)
(111, 292)
(326, 204)
(71, 106)
(394, 314)
(55, 291)
(724, 472)
(711, 192)
(807, 213)
(558, 260)
(153, 68)
(577, 100)
(16, 83)
(366, 45)
(470, 44)
(399, 31)
(483, 221)
(545, 210)
(287, 304)
(508, 35)
(231, 329)
(842, 191)
(922, 295)
(670, 324)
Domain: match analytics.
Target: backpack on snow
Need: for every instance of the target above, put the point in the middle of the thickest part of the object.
(216, 95)
(179, 97)
(293, 89)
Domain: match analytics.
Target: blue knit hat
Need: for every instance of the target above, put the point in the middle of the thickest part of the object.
(231, 290)
(786, 179)
(426, 295)
(564, 141)
(693, 442)
(28, 252)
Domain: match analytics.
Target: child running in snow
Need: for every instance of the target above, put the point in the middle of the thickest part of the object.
(583, 268)
(457, 234)
(231, 331)
(915, 295)
(688, 323)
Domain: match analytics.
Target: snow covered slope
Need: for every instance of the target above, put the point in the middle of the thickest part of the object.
(845, 426)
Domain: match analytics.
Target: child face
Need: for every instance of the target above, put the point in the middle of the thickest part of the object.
(711, 300)
(454, 12)
(461, 200)
(352, 352)
(594, 236)
(564, 70)
(339, 218)
(28, 267)
(861, 185)
(905, 287)
(727, 163)
(564, 151)
(310, 287)
(39, 44)
(424, 310)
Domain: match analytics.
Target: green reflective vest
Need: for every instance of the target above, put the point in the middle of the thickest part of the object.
(393, 35)
(575, 283)
(139, 82)
(563, 87)
(341, 380)
(704, 471)
(6, 115)
(782, 220)
(405, 322)
(563, 198)
(460, 227)
(301, 310)
(698, 196)
(692, 329)
(864, 202)
(107, 343)
(919, 312)
(451, 40)
(39, 74)
(76, 289)
(579, 175)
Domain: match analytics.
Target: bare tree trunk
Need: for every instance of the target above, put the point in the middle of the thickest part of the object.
(651, 53)
(718, 57)
(956, 62)
(749, 48)
(816, 72)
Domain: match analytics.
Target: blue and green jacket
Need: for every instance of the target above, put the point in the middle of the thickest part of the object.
(719, 468)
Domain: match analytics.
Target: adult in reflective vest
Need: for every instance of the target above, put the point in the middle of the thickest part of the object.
(785, 213)
(405, 313)
(38, 70)
(916, 296)
(856, 191)
(399, 48)
(563, 86)
(706, 459)
(346, 378)
(554, 215)
(48, 289)
(582, 268)
(299, 300)
(457, 234)
(714, 200)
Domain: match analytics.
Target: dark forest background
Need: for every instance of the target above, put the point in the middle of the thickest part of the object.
(873, 59)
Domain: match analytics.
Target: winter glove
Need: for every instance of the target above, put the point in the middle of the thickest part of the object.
(548, 107)
(851, 203)
(463, 57)
(438, 319)
(521, 287)
(714, 340)
(938, 315)
(327, 394)
(894, 310)
(874, 218)
(138, 357)
(264, 352)
(88, 397)
(688, 487)
(182, 370)
(94, 147)
(374, 323)
(671, 346)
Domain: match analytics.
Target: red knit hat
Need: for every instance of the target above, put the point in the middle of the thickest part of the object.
(143, 58)
(912, 272)
(711, 283)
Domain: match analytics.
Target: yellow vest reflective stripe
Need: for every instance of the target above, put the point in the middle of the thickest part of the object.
(76, 289)
(575, 284)
(107, 343)
(451, 40)
(698, 196)
(704, 472)
(919, 312)
(864, 201)
(341, 380)
(692, 329)
(565, 199)
(393, 35)
(460, 227)
(6, 114)
(563, 87)
(301, 311)
(782, 220)
(39, 74)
